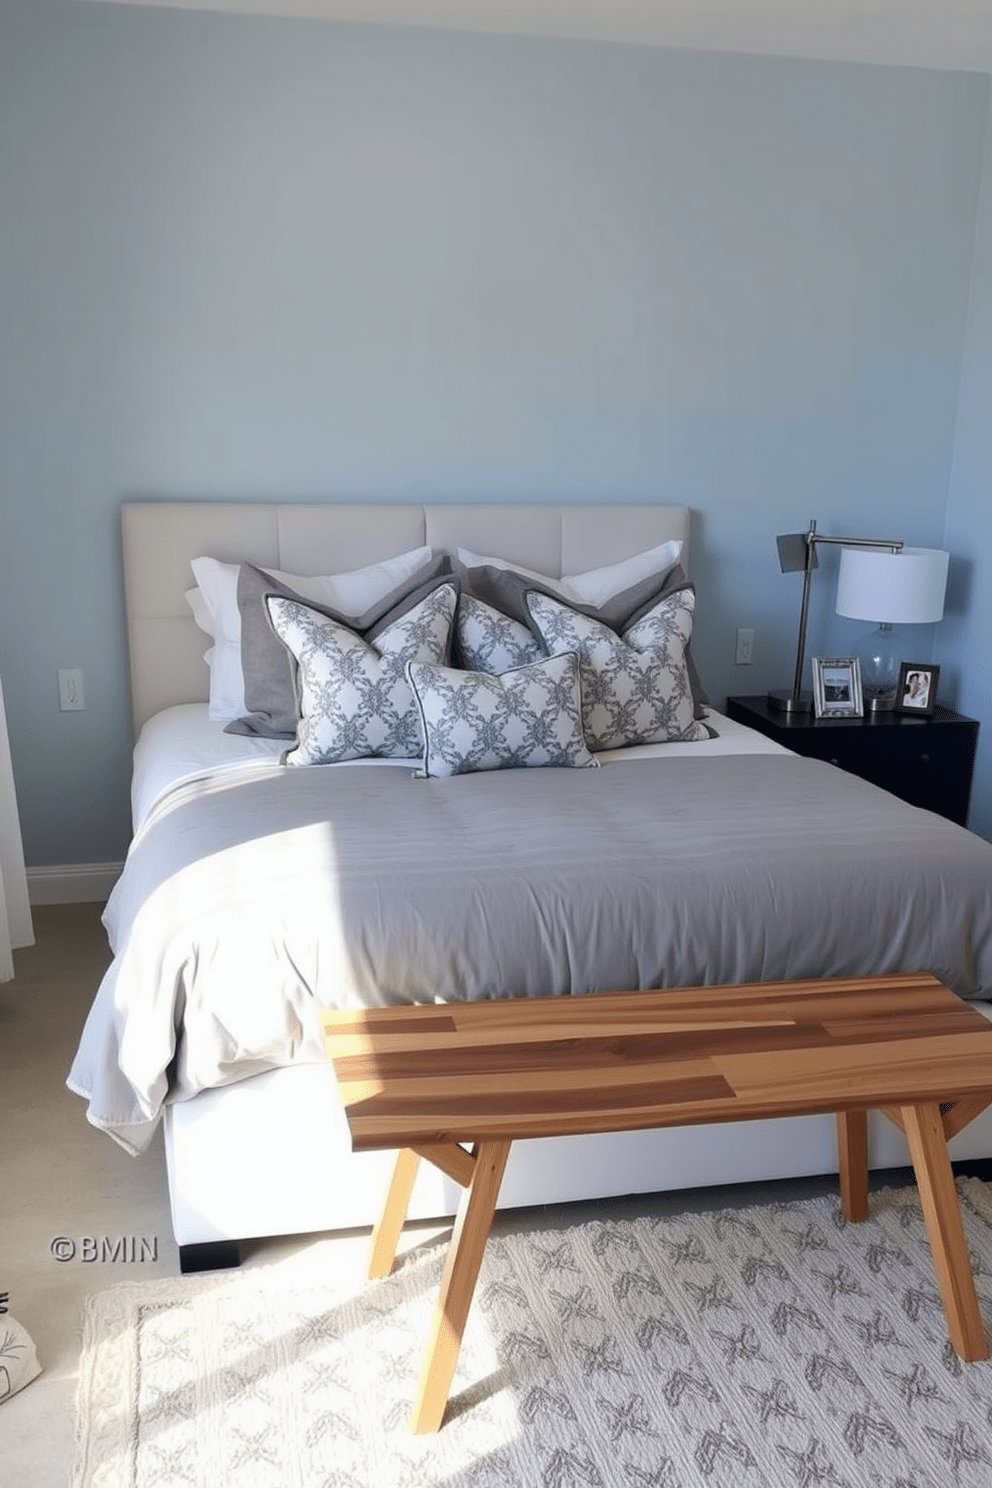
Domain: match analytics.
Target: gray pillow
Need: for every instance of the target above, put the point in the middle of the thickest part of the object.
(505, 590)
(270, 693)
(530, 717)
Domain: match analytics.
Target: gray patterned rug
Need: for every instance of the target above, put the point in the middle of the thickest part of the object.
(730, 1349)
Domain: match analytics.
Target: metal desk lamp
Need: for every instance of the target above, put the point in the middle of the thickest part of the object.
(797, 550)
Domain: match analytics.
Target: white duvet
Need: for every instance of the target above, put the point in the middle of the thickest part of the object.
(182, 743)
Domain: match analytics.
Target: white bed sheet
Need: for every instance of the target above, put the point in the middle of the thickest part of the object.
(183, 742)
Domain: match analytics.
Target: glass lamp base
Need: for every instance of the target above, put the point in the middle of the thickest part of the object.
(880, 656)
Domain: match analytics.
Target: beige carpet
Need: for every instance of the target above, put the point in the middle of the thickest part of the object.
(768, 1346)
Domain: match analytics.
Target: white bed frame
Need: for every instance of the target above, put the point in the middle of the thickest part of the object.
(271, 1155)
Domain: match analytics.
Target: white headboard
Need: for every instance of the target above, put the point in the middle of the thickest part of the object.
(159, 538)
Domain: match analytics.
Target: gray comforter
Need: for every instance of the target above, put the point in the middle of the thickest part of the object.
(251, 901)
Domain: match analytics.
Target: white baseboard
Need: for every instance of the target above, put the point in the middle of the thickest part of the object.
(72, 883)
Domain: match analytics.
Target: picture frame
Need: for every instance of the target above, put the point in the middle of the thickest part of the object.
(837, 687)
(916, 691)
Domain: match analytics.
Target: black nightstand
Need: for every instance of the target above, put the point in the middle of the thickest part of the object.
(926, 761)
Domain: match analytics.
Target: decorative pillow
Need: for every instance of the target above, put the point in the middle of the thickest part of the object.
(18, 1359)
(488, 641)
(528, 717)
(635, 688)
(597, 585)
(269, 688)
(506, 590)
(355, 700)
(214, 603)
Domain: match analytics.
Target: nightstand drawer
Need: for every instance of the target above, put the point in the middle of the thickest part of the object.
(927, 762)
(924, 769)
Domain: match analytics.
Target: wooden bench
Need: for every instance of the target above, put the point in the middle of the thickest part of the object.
(429, 1079)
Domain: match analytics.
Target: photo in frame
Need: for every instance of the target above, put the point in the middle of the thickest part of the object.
(916, 691)
(837, 687)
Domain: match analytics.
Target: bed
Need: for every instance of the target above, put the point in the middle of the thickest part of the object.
(493, 882)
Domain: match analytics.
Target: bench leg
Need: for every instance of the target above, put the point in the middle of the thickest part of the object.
(386, 1234)
(461, 1271)
(939, 1197)
(852, 1155)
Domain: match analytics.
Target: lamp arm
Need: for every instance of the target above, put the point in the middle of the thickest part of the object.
(894, 545)
(812, 537)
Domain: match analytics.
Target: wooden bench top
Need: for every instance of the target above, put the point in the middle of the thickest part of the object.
(426, 1079)
(599, 1062)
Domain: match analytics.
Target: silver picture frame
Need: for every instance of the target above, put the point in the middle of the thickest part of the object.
(837, 687)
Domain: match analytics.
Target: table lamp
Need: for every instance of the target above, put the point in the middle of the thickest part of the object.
(797, 551)
(890, 588)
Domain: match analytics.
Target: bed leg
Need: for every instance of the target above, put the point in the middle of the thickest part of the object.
(209, 1255)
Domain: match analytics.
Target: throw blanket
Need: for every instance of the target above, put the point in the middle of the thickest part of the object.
(249, 901)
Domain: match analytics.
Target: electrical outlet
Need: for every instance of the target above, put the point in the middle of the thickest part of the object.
(71, 698)
(745, 647)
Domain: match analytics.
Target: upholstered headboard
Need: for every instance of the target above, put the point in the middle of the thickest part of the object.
(159, 538)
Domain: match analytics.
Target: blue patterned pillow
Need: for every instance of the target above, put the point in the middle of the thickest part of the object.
(530, 716)
(488, 641)
(635, 687)
(354, 698)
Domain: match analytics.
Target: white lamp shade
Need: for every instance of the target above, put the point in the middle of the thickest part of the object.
(905, 588)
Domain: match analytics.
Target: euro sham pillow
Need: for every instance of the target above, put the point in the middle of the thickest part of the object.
(355, 701)
(214, 602)
(635, 686)
(530, 717)
(269, 688)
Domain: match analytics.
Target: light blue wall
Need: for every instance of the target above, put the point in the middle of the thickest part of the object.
(249, 258)
(964, 639)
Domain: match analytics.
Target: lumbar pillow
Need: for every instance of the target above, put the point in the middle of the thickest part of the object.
(635, 687)
(354, 698)
(18, 1359)
(530, 716)
(488, 641)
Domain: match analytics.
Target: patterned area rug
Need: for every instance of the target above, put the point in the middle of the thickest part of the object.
(739, 1348)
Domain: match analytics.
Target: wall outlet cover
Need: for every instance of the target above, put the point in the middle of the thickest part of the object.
(71, 699)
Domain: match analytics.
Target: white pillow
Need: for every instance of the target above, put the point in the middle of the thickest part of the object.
(18, 1360)
(212, 613)
(597, 585)
(215, 609)
(196, 600)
